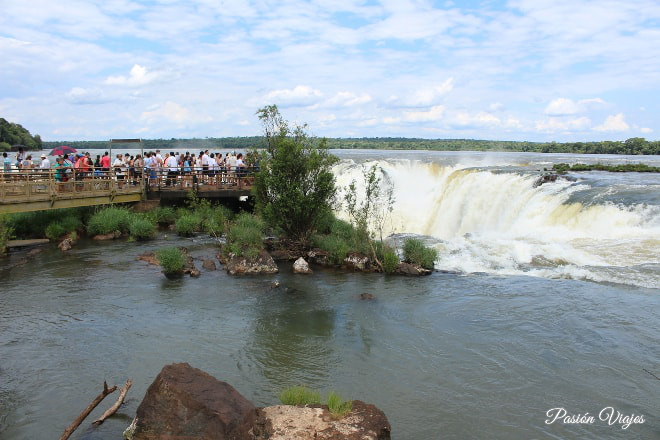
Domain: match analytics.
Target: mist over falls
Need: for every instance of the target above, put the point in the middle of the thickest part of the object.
(495, 219)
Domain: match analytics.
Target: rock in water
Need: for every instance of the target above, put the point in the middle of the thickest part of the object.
(208, 264)
(301, 266)
(412, 270)
(185, 402)
(284, 422)
(65, 244)
(263, 264)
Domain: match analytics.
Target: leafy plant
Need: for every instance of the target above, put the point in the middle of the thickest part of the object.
(337, 406)
(390, 260)
(5, 234)
(415, 252)
(188, 224)
(245, 236)
(60, 228)
(109, 220)
(300, 395)
(171, 259)
(140, 228)
(163, 215)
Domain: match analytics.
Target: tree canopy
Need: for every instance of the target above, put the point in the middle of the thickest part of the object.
(14, 134)
(295, 187)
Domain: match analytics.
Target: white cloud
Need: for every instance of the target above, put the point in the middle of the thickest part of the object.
(613, 123)
(347, 99)
(565, 106)
(424, 97)
(139, 76)
(646, 130)
(553, 125)
(300, 95)
(435, 113)
(167, 112)
(79, 95)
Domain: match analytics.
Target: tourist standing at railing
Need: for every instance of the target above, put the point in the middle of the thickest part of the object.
(118, 167)
(60, 170)
(172, 169)
(45, 163)
(27, 163)
(138, 167)
(6, 163)
(105, 163)
(19, 158)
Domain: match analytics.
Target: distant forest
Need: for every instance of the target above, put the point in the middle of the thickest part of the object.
(14, 135)
(634, 145)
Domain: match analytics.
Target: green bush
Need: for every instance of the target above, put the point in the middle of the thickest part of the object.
(215, 220)
(338, 406)
(415, 252)
(245, 236)
(109, 220)
(300, 395)
(5, 234)
(140, 228)
(62, 227)
(171, 260)
(390, 260)
(336, 246)
(163, 215)
(188, 224)
(34, 224)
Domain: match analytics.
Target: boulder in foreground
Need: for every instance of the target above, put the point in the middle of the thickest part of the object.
(186, 403)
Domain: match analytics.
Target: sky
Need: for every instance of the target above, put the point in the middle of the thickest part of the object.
(536, 70)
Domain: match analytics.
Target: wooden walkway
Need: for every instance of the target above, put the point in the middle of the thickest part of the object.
(42, 190)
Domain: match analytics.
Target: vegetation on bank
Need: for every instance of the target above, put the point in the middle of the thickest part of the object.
(172, 260)
(415, 252)
(302, 395)
(5, 234)
(635, 145)
(14, 134)
(245, 237)
(622, 168)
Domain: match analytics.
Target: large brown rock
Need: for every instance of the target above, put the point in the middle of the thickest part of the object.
(411, 269)
(186, 403)
(283, 422)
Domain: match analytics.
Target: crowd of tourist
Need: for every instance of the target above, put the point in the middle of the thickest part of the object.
(130, 168)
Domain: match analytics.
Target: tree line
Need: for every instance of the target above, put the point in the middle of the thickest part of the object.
(12, 134)
(633, 146)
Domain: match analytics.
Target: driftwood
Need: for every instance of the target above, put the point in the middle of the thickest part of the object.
(72, 427)
(113, 409)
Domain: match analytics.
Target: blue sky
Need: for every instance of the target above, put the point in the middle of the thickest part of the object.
(537, 70)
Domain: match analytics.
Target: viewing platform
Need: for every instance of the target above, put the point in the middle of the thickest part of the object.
(38, 190)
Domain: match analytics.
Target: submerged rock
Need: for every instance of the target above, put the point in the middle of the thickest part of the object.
(110, 236)
(263, 264)
(185, 402)
(367, 296)
(320, 257)
(208, 264)
(66, 244)
(358, 262)
(282, 422)
(149, 257)
(301, 266)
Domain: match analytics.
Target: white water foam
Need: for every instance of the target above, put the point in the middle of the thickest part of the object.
(499, 222)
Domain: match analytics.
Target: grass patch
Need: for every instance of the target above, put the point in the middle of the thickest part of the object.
(342, 238)
(300, 395)
(5, 234)
(188, 224)
(337, 406)
(62, 227)
(622, 168)
(109, 220)
(163, 215)
(245, 237)
(415, 252)
(390, 260)
(33, 224)
(141, 228)
(171, 260)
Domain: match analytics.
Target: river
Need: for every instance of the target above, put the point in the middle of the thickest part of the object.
(548, 297)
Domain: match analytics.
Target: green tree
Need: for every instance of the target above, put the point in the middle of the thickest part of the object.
(295, 187)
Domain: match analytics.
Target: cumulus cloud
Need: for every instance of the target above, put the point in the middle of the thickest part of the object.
(565, 106)
(79, 95)
(167, 112)
(139, 76)
(613, 123)
(552, 125)
(646, 130)
(435, 113)
(348, 99)
(424, 97)
(300, 95)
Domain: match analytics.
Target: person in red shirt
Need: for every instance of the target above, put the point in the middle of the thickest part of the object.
(105, 163)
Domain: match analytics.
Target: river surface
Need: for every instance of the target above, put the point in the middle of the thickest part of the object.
(548, 297)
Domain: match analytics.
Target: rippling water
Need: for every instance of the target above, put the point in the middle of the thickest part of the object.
(454, 355)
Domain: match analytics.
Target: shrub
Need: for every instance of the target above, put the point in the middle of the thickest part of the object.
(390, 260)
(109, 220)
(140, 228)
(300, 395)
(336, 246)
(34, 224)
(338, 406)
(163, 215)
(171, 259)
(188, 224)
(5, 234)
(60, 228)
(215, 220)
(415, 252)
(245, 237)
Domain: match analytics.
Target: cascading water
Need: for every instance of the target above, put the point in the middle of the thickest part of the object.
(486, 219)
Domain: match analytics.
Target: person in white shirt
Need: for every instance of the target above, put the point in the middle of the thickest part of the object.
(172, 166)
(45, 163)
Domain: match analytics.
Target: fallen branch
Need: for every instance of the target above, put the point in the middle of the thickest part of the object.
(113, 409)
(72, 427)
